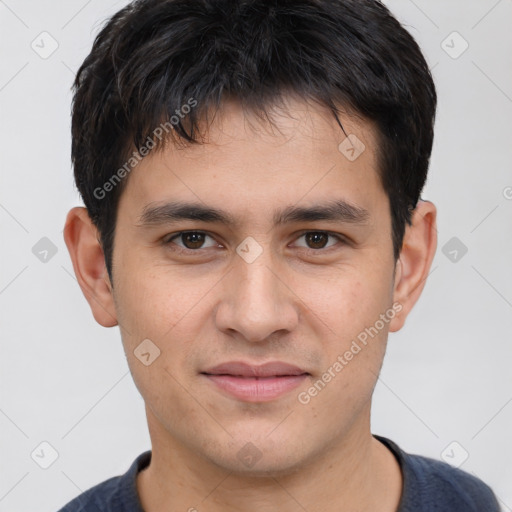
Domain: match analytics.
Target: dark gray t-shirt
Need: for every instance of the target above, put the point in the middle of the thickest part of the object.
(429, 485)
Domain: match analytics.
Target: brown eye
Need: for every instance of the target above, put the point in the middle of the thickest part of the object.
(191, 240)
(316, 240)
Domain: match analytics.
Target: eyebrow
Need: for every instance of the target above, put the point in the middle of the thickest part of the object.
(336, 210)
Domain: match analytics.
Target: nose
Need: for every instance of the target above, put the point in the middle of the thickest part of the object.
(256, 302)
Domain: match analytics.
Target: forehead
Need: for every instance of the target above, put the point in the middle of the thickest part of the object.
(252, 166)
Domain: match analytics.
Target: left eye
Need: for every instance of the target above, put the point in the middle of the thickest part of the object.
(318, 239)
(194, 240)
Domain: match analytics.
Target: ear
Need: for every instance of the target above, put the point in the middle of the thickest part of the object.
(413, 266)
(82, 240)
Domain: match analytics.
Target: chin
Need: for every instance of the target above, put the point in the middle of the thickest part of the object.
(261, 456)
(269, 465)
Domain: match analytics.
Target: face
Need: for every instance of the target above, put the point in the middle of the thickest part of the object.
(266, 333)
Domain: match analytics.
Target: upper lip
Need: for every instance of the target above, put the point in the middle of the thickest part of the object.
(241, 369)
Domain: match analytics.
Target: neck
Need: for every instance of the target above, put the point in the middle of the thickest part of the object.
(357, 473)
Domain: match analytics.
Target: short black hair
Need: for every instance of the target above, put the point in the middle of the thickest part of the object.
(154, 57)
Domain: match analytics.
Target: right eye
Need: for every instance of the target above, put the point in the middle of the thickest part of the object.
(191, 240)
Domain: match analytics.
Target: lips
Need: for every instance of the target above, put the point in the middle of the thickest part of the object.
(271, 369)
(255, 383)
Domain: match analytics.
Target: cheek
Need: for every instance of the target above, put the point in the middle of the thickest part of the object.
(157, 305)
(353, 333)
(172, 309)
(346, 301)
(353, 345)
(157, 302)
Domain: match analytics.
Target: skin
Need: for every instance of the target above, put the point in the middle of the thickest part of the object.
(297, 303)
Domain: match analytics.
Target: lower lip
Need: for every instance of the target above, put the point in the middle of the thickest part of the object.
(252, 389)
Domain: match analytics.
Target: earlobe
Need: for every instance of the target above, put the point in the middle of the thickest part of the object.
(81, 237)
(418, 251)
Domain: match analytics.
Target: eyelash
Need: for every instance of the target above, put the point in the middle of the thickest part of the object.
(183, 250)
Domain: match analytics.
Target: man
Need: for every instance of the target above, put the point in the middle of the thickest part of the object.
(252, 172)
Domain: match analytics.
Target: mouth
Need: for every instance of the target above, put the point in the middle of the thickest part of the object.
(256, 383)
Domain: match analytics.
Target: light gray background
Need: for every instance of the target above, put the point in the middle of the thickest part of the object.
(64, 379)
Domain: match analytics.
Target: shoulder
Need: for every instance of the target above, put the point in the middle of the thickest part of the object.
(116, 494)
(455, 486)
(102, 496)
(433, 485)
